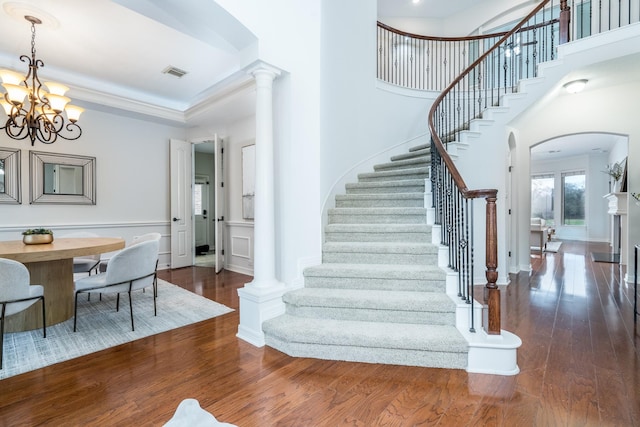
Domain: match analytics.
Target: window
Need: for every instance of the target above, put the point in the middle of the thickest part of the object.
(197, 199)
(573, 198)
(542, 190)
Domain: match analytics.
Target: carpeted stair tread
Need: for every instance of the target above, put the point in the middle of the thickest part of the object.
(394, 174)
(381, 196)
(380, 200)
(420, 147)
(378, 228)
(407, 185)
(372, 299)
(379, 211)
(380, 247)
(417, 161)
(409, 272)
(436, 338)
(412, 155)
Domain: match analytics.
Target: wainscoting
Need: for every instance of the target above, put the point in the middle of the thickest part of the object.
(238, 244)
(127, 231)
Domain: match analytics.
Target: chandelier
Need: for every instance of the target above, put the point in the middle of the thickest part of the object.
(32, 111)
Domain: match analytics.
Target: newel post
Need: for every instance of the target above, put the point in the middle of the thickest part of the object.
(565, 22)
(492, 324)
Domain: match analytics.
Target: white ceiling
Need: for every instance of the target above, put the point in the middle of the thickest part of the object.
(574, 145)
(108, 47)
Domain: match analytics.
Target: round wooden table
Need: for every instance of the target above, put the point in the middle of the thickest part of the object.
(51, 265)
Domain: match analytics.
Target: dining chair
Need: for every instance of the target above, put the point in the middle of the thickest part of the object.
(138, 239)
(84, 264)
(16, 294)
(130, 269)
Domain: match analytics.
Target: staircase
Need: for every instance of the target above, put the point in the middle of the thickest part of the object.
(379, 295)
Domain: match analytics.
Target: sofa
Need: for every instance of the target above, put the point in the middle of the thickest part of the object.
(539, 234)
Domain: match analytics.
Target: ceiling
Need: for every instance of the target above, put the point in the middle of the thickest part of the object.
(121, 47)
(574, 145)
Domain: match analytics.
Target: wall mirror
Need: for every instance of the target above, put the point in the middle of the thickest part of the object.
(9, 175)
(62, 178)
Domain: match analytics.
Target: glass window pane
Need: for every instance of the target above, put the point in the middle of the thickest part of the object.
(573, 198)
(197, 199)
(542, 190)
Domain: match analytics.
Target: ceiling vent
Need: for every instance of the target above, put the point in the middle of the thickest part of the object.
(176, 72)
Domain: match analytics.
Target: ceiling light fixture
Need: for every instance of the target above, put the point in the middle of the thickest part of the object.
(33, 112)
(575, 86)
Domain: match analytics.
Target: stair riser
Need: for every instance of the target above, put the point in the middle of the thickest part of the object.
(427, 359)
(378, 237)
(389, 258)
(364, 189)
(399, 177)
(368, 315)
(381, 203)
(375, 284)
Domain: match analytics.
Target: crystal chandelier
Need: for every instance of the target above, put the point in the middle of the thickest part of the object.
(32, 111)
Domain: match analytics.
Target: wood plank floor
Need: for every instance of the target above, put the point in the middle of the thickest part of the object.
(579, 362)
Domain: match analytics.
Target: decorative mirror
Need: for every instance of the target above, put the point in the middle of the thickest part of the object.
(10, 176)
(62, 179)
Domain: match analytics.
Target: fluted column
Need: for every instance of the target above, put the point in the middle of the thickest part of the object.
(261, 299)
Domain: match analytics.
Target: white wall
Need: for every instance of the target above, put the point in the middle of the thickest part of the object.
(132, 177)
(289, 39)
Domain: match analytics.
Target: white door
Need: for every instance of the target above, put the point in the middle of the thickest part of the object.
(219, 202)
(201, 210)
(181, 158)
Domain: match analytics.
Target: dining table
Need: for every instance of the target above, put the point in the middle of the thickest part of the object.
(51, 265)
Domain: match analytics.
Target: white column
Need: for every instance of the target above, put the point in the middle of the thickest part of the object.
(261, 299)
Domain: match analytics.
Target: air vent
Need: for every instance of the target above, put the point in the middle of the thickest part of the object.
(176, 72)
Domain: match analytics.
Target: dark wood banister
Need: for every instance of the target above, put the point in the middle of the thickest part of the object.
(492, 325)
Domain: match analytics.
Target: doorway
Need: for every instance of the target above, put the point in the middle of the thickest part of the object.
(197, 203)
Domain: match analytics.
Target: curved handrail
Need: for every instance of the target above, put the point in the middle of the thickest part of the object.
(431, 120)
(452, 197)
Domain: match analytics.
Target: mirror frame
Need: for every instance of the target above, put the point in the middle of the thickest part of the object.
(37, 160)
(12, 194)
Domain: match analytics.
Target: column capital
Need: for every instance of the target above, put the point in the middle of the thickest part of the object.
(262, 69)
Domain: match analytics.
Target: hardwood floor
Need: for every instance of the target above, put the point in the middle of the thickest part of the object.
(579, 362)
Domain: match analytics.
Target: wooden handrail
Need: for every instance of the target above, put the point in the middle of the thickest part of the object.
(492, 324)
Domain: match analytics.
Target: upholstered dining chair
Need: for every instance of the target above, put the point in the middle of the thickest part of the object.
(130, 269)
(16, 294)
(138, 239)
(84, 264)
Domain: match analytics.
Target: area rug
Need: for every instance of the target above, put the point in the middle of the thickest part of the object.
(553, 246)
(100, 327)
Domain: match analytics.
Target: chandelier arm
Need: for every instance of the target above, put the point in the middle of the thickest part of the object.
(71, 127)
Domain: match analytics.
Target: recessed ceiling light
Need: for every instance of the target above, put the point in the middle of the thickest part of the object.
(575, 86)
(415, 1)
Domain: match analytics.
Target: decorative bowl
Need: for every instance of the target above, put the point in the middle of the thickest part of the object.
(37, 239)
